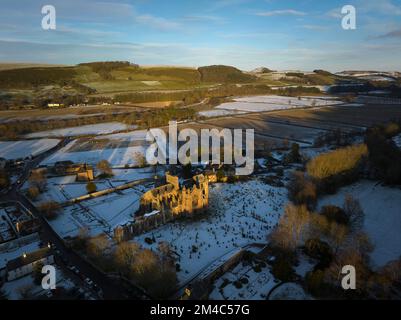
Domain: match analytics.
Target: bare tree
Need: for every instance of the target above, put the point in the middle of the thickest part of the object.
(354, 212)
(38, 179)
(97, 246)
(104, 167)
(25, 292)
(125, 254)
(139, 159)
(293, 227)
(338, 234)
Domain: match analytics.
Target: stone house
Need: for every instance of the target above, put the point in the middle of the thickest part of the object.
(24, 265)
(83, 171)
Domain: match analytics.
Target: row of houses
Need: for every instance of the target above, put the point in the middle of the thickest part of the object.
(25, 264)
(83, 171)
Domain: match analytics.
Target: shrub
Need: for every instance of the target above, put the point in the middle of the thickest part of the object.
(315, 282)
(293, 155)
(155, 274)
(354, 212)
(282, 269)
(302, 190)
(224, 74)
(139, 159)
(337, 168)
(105, 168)
(4, 179)
(320, 250)
(37, 272)
(391, 129)
(33, 192)
(91, 187)
(50, 209)
(292, 228)
(384, 157)
(336, 214)
(336, 162)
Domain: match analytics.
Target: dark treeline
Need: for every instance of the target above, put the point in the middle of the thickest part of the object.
(384, 155)
(144, 119)
(393, 89)
(224, 74)
(105, 68)
(198, 95)
(31, 77)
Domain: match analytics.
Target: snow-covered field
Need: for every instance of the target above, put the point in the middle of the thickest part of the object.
(289, 291)
(219, 113)
(25, 148)
(119, 149)
(397, 140)
(270, 103)
(382, 208)
(252, 285)
(137, 135)
(239, 214)
(101, 128)
(5, 119)
(99, 215)
(62, 189)
(115, 156)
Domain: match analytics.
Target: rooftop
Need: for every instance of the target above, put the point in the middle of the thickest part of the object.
(28, 258)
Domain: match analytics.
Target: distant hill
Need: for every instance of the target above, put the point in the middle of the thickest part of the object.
(261, 70)
(12, 66)
(31, 77)
(224, 74)
(114, 76)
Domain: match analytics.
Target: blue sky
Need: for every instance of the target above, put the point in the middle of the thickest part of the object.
(303, 34)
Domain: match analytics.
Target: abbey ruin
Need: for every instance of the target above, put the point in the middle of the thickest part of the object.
(189, 197)
(167, 202)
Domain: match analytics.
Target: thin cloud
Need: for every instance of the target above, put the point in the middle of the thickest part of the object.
(391, 34)
(386, 7)
(203, 18)
(287, 12)
(314, 27)
(334, 13)
(157, 22)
